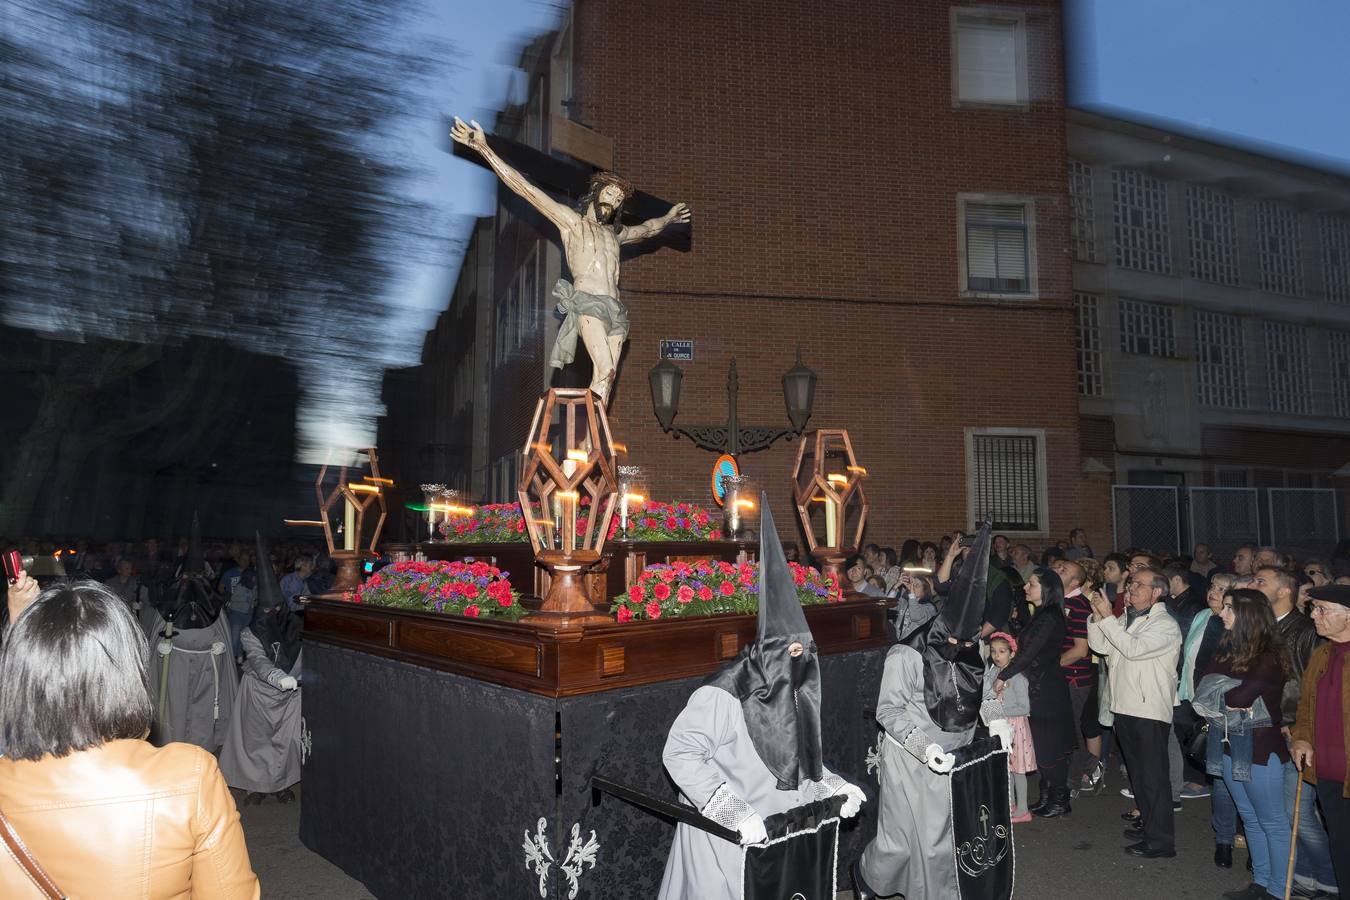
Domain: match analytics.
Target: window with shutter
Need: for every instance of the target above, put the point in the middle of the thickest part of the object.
(989, 66)
(997, 248)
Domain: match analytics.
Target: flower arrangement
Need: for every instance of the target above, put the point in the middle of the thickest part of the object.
(492, 523)
(655, 521)
(457, 588)
(708, 588)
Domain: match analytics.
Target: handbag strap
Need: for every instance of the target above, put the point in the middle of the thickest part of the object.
(31, 867)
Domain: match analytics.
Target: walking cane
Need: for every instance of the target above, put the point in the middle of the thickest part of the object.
(1293, 837)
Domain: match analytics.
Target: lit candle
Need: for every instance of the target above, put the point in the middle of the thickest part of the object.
(349, 525)
(834, 509)
(568, 499)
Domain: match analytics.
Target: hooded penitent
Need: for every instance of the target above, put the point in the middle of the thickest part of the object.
(779, 693)
(953, 673)
(274, 625)
(190, 602)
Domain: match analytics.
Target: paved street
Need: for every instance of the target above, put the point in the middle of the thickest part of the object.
(1055, 859)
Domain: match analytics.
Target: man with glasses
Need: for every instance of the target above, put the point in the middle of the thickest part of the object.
(1141, 648)
(1321, 733)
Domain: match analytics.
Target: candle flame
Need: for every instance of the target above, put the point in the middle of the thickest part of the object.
(577, 455)
(834, 478)
(306, 523)
(634, 498)
(858, 470)
(363, 488)
(818, 499)
(452, 509)
(745, 503)
(619, 447)
(568, 495)
(375, 480)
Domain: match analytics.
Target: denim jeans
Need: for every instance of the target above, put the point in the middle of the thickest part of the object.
(1239, 754)
(1260, 802)
(1314, 853)
(238, 621)
(1222, 812)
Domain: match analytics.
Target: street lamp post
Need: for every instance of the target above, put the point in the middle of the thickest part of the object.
(799, 391)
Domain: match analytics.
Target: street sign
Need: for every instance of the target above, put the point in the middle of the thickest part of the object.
(677, 350)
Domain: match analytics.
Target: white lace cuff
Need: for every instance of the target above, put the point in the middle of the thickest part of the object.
(830, 785)
(726, 809)
(916, 744)
(992, 709)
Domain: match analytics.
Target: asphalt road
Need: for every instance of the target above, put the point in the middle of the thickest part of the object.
(1076, 857)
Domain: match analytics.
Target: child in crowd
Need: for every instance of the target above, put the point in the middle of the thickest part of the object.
(1014, 705)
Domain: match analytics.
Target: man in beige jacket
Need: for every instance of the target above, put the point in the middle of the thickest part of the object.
(1141, 648)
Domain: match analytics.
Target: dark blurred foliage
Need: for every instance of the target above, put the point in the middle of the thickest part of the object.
(204, 173)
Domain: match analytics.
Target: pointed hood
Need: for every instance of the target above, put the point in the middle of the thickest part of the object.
(189, 602)
(274, 624)
(953, 671)
(779, 692)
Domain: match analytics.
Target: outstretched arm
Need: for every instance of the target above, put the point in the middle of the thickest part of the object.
(471, 136)
(631, 234)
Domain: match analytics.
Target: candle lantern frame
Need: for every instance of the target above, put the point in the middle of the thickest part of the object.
(569, 454)
(827, 471)
(357, 496)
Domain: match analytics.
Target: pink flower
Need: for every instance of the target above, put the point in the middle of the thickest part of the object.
(637, 593)
(662, 591)
(471, 610)
(624, 614)
(685, 594)
(726, 588)
(667, 575)
(705, 593)
(653, 610)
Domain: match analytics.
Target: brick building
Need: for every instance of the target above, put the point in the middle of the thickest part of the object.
(880, 184)
(1212, 286)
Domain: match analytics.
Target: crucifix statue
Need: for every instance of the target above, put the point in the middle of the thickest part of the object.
(591, 236)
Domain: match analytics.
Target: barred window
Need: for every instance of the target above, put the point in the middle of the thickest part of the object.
(529, 303)
(1336, 257)
(1084, 216)
(1221, 360)
(1139, 212)
(1340, 373)
(1006, 473)
(1146, 328)
(997, 252)
(1212, 234)
(1287, 378)
(990, 58)
(1089, 345)
(1277, 248)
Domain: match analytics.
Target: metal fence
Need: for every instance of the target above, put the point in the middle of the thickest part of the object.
(1303, 521)
(1146, 516)
(1223, 518)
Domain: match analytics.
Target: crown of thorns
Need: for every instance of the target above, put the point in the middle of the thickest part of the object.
(600, 179)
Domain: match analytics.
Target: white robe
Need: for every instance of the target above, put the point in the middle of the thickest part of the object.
(199, 692)
(262, 748)
(912, 852)
(708, 746)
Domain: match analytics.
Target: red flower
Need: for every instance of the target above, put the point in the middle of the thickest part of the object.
(705, 593)
(715, 535)
(637, 593)
(799, 577)
(667, 575)
(471, 610)
(520, 526)
(670, 522)
(624, 614)
(727, 588)
(661, 591)
(653, 610)
(685, 594)
(649, 522)
(500, 591)
(701, 519)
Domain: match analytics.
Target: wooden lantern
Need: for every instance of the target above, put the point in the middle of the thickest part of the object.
(827, 489)
(351, 493)
(568, 489)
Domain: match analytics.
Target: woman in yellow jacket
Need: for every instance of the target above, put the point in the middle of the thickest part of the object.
(103, 812)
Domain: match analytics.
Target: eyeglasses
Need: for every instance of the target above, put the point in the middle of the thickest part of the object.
(1312, 572)
(1323, 610)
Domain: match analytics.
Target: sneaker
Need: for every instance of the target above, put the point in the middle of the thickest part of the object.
(1126, 792)
(1194, 792)
(1093, 780)
(1022, 819)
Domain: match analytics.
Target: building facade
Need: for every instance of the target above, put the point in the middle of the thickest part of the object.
(880, 185)
(1212, 291)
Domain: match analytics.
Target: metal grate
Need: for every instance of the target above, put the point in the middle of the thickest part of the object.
(1006, 483)
(1220, 360)
(1340, 372)
(1335, 232)
(1146, 516)
(1277, 245)
(1304, 521)
(1146, 328)
(996, 248)
(1287, 379)
(1090, 381)
(1084, 213)
(1139, 213)
(1224, 517)
(1212, 233)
